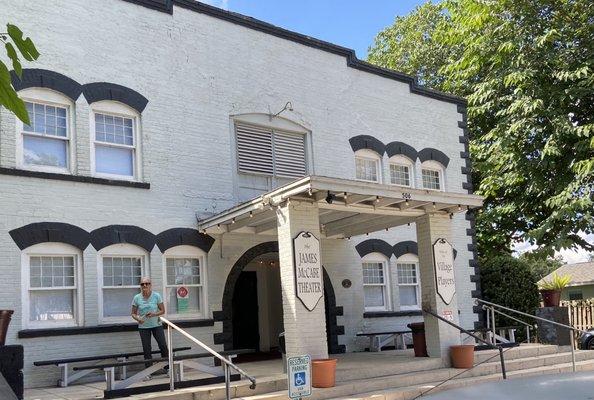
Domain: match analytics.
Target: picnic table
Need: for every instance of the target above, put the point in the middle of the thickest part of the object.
(65, 363)
(377, 340)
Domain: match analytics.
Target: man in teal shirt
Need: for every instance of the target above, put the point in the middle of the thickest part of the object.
(147, 306)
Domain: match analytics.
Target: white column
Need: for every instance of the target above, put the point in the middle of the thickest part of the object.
(439, 335)
(305, 331)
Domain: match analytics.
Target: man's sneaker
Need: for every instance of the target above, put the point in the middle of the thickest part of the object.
(147, 378)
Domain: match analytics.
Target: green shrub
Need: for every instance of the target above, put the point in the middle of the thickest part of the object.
(510, 282)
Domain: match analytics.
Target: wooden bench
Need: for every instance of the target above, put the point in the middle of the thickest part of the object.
(65, 363)
(396, 336)
(121, 388)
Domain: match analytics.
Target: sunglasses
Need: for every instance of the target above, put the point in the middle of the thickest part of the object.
(145, 284)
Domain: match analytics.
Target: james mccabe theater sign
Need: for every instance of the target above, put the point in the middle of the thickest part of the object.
(308, 269)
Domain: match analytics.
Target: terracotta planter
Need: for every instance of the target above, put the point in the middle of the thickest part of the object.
(323, 372)
(462, 356)
(5, 316)
(551, 298)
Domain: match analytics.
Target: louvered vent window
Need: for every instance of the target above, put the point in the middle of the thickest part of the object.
(271, 152)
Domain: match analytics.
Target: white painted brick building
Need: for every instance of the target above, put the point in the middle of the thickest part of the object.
(186, 74)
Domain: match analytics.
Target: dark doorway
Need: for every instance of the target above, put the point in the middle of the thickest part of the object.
(245, 312)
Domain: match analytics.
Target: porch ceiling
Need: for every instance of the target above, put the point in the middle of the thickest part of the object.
(346, 207)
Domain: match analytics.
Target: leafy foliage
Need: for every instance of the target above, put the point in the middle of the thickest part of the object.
(527, 70)
(508, 281)
(540, 266)
(14, 43)
(556, 282)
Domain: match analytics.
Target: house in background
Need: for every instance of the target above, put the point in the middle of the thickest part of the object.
(582, 280)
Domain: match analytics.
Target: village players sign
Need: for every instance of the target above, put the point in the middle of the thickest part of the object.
(308, 269)
(443, 255)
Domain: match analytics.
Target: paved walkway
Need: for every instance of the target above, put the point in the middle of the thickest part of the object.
(350, 366)
(571, 386)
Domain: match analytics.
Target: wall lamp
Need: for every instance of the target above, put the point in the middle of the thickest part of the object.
(288, 106)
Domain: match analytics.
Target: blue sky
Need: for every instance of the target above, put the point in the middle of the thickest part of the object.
(349, 23)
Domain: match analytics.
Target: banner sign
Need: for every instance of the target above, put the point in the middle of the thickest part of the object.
(299, 376)
(183, 298)
(443, 256)
(308, 269)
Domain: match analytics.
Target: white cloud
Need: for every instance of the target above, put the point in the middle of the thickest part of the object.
(569, 256)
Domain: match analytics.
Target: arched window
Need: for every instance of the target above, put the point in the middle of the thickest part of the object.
(115, 141)
(432, 174)
(51, 285)
(376, 282)
(368, 165)
(401, 171)
(120, 268)
(409, 294)
(184, 273)
(46, 144)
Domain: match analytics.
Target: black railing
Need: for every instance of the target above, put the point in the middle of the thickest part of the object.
(491, 345)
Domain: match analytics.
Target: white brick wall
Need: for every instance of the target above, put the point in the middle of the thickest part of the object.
(197, 71)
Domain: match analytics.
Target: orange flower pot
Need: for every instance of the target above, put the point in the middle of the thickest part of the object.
(462, 356)
(323, 372)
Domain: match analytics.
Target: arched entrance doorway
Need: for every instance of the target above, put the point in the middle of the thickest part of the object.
(245, 284)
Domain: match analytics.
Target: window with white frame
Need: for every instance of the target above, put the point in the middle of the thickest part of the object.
(52, 289)
(45, 144)
(120, 268)
(432, 175)
(115, 140)
(367, 165)
(401, 171)
(375, 282)
(407, 268)
(268, 151)
(185, 281)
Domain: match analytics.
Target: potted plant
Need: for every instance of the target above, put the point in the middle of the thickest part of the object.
(550, 290)
(462, 356)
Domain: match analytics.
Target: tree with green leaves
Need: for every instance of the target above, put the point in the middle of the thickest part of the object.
(527, 70)
(15, 44)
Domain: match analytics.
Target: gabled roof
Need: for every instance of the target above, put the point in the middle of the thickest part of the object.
(581, 273)
(166, 6)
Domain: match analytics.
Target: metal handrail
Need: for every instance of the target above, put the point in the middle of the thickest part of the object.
(528, 326)
(491, 345)
(493, 305)
(225, 362)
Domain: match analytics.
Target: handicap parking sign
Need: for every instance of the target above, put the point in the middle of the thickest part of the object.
(298, 375)
(299, 378)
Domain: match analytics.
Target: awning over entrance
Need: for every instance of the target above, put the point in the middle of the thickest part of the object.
(346, 207)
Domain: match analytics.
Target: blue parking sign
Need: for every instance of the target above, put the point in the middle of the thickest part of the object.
(299, 376)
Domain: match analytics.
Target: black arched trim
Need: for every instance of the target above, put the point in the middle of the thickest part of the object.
(373, 246)
(46, 79)
(434, 154)
(332, 312)
(405, 247)
(184, 236)
(226, 314)
(396, 148)
(110, 91)
(43, 232)
(112, 234)
(367, 142)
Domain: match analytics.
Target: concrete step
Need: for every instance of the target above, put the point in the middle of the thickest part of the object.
(410, 384)
(529, 350)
